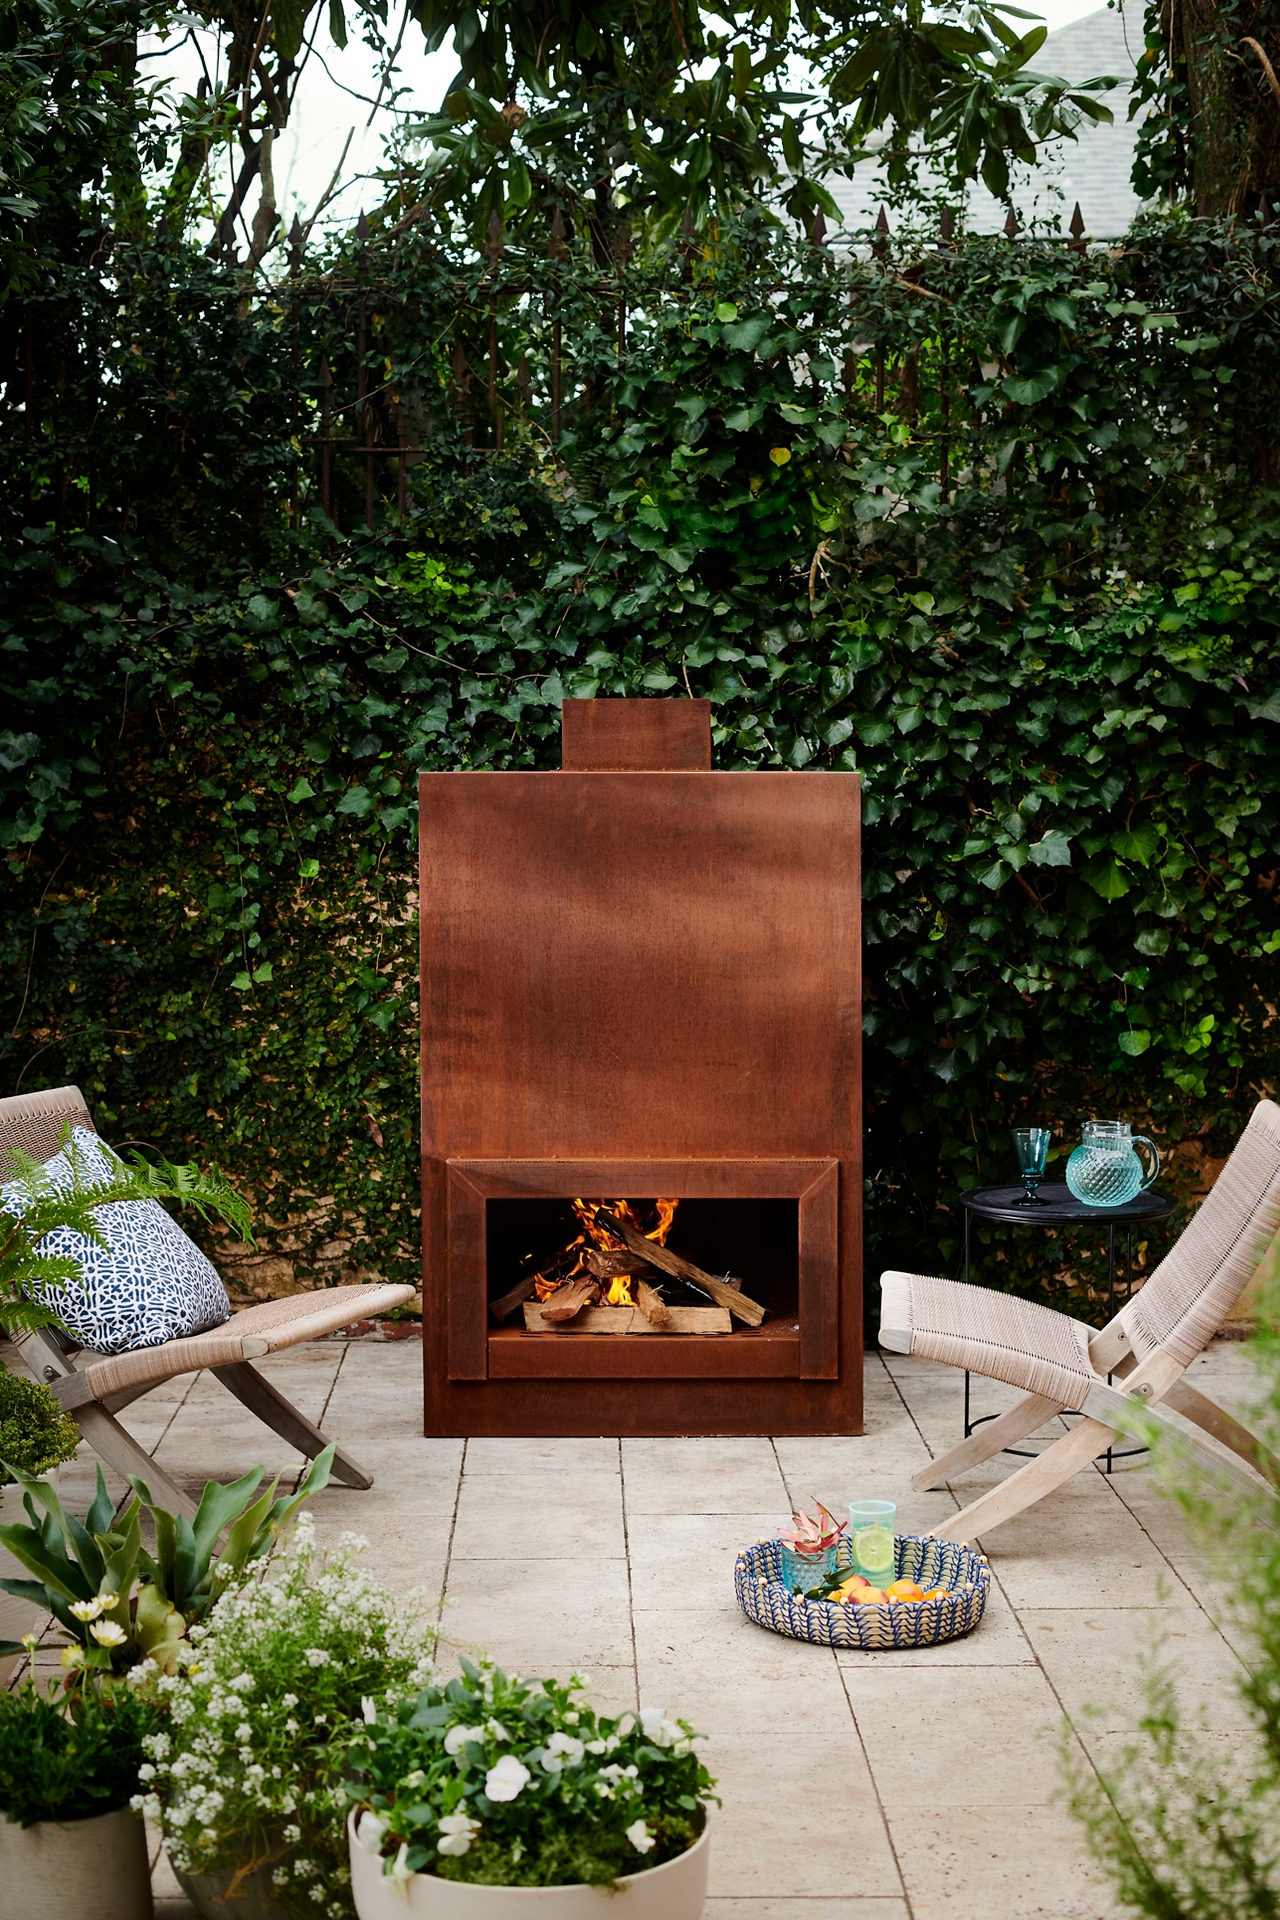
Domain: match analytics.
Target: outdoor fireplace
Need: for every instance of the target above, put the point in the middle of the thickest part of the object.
(640, 1090)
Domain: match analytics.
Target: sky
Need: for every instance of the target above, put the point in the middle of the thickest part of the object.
(336, 101)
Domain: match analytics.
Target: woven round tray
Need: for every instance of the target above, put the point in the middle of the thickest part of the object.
(898, 1623)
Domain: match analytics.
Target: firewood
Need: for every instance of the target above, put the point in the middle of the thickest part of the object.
(667, 1262)
(570, 1298)
(502, 1309)
(652, 1305)
(628, 1320)
(609, 1266)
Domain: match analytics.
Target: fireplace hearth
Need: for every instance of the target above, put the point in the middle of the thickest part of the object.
(640, 1090)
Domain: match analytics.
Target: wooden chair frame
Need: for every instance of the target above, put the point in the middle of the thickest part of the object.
(95, 1388)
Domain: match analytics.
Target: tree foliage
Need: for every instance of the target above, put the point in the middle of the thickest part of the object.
(994, 525)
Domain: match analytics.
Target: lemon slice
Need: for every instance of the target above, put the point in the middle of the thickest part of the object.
(873, 1549)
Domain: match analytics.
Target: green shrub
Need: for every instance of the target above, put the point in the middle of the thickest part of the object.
(35, 1434)
(64, 1759)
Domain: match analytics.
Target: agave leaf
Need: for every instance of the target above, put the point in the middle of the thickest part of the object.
(60, 1574)
(219, 1507)
(102, 1512)
(243, 1537)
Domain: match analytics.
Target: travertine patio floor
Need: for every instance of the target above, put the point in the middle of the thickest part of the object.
(891, 1786)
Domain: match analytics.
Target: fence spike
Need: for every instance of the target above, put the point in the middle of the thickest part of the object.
(495, 248)
(557, 249)
(686, 244)
(818, 228)
(881, 241)
(947, 226)
(1076, 229)
(362, 227)
(1011, 227)
(296, 239)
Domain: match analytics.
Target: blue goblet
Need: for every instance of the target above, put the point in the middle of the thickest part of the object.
(1032, 1147)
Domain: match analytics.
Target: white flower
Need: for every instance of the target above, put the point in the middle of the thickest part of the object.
(457, 1737)
(562, 1750)
(71, 1657)
(625, 1725)
(108, 1634)
(639, 1836)
(369, 1708)
(596, 1746)
(370, 1831)
(507, 1779)
(86, 1609)
(657, 1728)
(288, 1700)
(459, 1830)
(316, 1657)
(400, 1875)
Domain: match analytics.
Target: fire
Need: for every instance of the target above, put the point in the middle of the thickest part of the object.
(596, 1239)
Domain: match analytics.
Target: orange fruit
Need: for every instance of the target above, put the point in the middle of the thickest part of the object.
(936, 1593)
(867, 1597)
(904, 1590)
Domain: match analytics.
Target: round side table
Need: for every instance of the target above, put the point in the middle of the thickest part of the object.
(1058, 1207)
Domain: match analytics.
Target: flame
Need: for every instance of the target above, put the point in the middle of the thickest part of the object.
(599, 1238)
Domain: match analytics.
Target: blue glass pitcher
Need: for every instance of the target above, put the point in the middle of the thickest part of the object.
(1104, 1170)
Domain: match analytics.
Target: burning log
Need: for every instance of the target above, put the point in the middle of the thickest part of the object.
(503, 1309)
(667, 1262)
(567, 1300)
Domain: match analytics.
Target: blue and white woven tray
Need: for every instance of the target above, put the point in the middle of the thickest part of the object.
(898, 1623)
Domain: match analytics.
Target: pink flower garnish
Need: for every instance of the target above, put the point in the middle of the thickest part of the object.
(811, 1537)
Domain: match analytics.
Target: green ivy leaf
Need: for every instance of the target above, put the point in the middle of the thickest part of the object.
(1106, 876)
(1135, 1042)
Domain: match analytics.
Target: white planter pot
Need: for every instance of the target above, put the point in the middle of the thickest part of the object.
(90, 1869)
(16, 1616)
(676, 1891)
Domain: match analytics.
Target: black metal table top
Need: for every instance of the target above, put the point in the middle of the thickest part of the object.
(1060, 1207)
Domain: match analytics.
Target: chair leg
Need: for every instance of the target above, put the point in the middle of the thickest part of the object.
(270, 1405)
(1056, 1465)
(120, 1450)
(1210, 1418)
(988, 1439)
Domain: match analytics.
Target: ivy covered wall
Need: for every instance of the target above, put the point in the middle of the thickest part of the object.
(993, 524)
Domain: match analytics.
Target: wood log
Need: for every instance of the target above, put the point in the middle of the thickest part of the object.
(628, 1320)
(608, 1266)
(570, 1298)
(667, 1262)
(503, 1309)
(651, 1304)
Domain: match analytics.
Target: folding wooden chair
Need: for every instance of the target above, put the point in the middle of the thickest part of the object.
(94, 1388)
(1062, 1365)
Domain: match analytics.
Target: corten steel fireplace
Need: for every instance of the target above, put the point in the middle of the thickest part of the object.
(641, 978)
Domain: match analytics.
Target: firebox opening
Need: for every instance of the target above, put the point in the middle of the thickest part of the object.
(753, 1240)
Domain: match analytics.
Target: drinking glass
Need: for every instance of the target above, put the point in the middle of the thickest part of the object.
(871, 1534)
(1031, 1145)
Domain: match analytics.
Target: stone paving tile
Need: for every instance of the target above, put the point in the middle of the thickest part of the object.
(892, 1786)
(988, 1863)
(814, 1907)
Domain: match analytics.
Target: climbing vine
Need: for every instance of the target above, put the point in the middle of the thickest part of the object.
(992, 524)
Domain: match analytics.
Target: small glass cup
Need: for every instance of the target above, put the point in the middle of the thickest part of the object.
(801, 1572)
(1031, 1144)
(871, 1536)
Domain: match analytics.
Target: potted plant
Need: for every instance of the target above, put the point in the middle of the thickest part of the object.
(36, 1436)
(493, 1798)
(245, 1776)
(68, 1770)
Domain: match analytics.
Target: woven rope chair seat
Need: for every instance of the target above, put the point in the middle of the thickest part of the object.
(994, 1334)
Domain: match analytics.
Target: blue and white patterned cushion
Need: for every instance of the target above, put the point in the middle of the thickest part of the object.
(148, 1284)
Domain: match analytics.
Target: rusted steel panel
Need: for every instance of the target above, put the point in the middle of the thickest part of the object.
(635, 736)
(646, 966)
